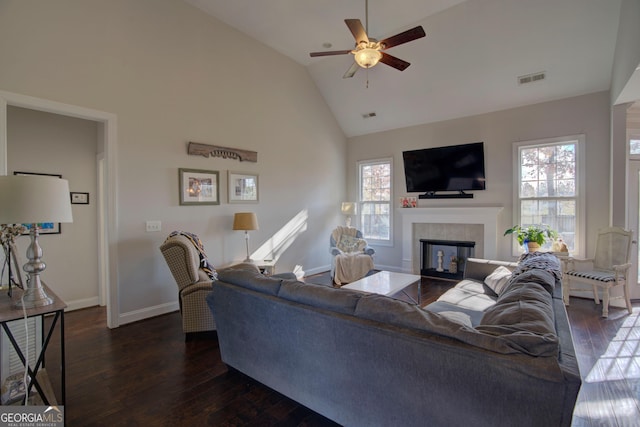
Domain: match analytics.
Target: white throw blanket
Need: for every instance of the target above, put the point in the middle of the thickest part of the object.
(352, 264)
(351, 267)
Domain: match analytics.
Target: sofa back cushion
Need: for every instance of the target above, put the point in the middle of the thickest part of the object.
(524, 316)
(248, 276)
(339, 300)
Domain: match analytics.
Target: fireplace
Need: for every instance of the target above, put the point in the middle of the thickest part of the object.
(470, 223)
(445, 259)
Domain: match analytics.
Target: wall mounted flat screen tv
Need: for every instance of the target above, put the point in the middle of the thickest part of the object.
(451, 168)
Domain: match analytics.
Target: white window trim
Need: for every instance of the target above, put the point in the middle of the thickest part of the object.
(580, 238)
(389, 160)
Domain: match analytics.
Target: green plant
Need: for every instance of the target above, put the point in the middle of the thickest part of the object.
(532, 233)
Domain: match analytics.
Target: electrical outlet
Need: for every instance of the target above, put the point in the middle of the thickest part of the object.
(154, 226)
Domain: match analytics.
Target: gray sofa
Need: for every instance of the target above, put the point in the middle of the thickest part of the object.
(370, 360)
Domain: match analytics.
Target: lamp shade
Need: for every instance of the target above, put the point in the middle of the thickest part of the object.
(245, 221)
(348, 208)
(32, 199)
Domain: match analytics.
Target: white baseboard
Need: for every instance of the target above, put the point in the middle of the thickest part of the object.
(82, 303)
(145, 313)
(392, 268)
(317, 270)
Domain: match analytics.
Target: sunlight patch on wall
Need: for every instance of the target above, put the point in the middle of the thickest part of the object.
(277, 244)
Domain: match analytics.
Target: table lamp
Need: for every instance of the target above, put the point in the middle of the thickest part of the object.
(245, 221)
(34, 199)
(348, 209)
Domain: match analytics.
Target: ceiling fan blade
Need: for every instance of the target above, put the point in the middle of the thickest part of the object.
(357, 30)
(394, 62)
(330, 52)
(404, 37)
(351, 71)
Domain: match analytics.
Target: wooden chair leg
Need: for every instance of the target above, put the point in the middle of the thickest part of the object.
(595, 294)
(565, 292)
(605, 302)
(627, 300)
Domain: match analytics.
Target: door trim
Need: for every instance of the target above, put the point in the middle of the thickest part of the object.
(108, 261)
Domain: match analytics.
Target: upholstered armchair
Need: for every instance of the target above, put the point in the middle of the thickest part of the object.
(608, 268)
(351, 256)
(183, 259)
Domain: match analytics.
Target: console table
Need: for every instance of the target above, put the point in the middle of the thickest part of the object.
(10, 313)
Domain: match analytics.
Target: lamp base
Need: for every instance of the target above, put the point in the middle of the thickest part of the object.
(33, 297)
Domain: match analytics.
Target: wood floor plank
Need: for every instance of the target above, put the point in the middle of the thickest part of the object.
(147, 374)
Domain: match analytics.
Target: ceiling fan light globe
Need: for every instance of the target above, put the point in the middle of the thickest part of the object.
(367, 58)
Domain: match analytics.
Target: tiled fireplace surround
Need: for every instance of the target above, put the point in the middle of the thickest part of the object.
(475, 224)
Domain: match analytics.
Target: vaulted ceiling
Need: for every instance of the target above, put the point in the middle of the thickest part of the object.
(468, 63)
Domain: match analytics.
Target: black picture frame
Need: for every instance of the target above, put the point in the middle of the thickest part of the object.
(78, 198)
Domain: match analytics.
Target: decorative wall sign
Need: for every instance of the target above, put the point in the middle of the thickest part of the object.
(206, 150)
(199, 187)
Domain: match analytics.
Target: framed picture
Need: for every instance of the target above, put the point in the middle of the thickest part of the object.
(243, 187)
(79, 198)
(45, 227)
(199, 187)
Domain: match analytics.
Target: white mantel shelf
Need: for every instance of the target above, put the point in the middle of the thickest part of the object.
(484, 215)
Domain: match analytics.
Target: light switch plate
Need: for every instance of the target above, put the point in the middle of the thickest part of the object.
(154, 226)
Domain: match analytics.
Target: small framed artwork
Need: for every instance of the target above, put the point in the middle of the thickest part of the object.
(79, 198)
(243, 187)
(44, 227)
(199, 187)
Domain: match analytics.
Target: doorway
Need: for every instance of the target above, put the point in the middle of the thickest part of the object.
(633, 193)
(107, 137)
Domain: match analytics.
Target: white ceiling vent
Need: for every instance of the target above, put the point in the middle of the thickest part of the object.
(369, 115)
(530, 78)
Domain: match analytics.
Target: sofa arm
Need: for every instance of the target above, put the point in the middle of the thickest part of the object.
(478, 269)
(369, 250)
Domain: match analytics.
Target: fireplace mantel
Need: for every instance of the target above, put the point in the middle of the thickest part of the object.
(486, 216)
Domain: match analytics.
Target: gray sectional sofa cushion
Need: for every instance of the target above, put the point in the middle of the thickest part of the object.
(367, 359)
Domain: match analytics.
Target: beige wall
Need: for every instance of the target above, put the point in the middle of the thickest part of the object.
(588, 115)
(171, 75)
(64, 146)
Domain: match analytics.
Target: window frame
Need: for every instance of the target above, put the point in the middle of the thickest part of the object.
(373, 162)
(580, 197)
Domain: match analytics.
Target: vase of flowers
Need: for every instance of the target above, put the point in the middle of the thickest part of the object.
(533, 236)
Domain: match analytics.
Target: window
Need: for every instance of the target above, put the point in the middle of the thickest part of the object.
(374, 198)
(634, 145)
(549, 187)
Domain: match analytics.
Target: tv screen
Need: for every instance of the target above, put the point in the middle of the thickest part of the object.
(452, 168)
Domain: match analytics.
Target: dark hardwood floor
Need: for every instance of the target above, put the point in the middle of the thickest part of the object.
(147, 374)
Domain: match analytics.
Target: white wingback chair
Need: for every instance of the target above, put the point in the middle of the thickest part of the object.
(608, 268)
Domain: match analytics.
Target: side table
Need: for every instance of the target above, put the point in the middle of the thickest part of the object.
(9, 313)
(266, 266)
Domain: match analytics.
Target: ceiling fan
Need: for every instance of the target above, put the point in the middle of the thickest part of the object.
(369, 51)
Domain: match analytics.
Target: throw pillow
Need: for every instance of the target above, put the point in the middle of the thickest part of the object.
(498, 279)
(351, 244)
